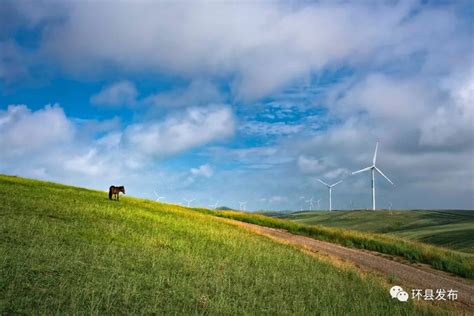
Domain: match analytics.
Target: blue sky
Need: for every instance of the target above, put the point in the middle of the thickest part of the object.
(242, 102)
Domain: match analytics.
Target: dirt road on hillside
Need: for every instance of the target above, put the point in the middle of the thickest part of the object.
(407, 275)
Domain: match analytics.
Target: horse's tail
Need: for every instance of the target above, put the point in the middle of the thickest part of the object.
(110, 193)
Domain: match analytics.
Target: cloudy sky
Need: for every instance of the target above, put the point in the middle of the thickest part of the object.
(242, 102)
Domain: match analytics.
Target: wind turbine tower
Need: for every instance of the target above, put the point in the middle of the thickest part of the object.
(214, 206)
(158, 198)
(372, 169)
(299, 202)
(330, 186)
(188, 202)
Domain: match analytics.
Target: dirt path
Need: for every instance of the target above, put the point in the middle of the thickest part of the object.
(405, 274)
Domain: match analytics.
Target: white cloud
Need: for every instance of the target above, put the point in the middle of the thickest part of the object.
(198, 93)
(195, 127)
(203, 170)
(46, 144)
(266, 128)
(89, 164)
(116, 94)
(310, 165)
(322, 168)
(336, 173)
(261, 46)
(451, 125)
(252, 157)
(23, 131)
(277, 199)
(110, 140)
(13, 61)
(386, 98)
(409, 112)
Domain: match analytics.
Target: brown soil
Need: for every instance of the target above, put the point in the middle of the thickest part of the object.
(402, 273)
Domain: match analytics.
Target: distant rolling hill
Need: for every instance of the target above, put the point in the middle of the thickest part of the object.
(452, 229)
(68, 250)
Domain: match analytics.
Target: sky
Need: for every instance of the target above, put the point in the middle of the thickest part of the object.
(226, 102)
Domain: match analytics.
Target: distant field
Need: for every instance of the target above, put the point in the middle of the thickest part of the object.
(450, 229)
(66, 250)
(459, 263)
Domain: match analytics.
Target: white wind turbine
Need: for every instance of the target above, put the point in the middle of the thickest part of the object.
(310, 201)
(242, 206)
(214, 206)
(188, 202)
(372, 169)
(318, 201)
(158, 198)
(330, 186)
(299, 202)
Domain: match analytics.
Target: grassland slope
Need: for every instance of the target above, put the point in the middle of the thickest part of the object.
(66, 250)
(453, 229)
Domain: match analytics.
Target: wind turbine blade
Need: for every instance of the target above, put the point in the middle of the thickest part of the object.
(336, 183)
(375, 153)
(323, 182)
(379, 171)
(362, 170)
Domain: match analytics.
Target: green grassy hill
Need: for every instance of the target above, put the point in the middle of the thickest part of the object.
(450, 229)
(71, 250)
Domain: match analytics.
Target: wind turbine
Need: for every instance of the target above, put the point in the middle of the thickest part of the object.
(372, 169)
(188, 202)
(158, 198)
(318, 201)
(214, 206)
(330, 186)
(242, 206)
(310, 201)
(301, 205)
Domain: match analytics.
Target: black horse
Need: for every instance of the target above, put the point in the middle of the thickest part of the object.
(114, 191)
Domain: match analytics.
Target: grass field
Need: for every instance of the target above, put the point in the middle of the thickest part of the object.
(461, 264)
(65, 250)
(447, 228)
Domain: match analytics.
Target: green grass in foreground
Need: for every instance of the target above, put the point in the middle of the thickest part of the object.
(65, 250)
(453, 229)
(442, 259)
